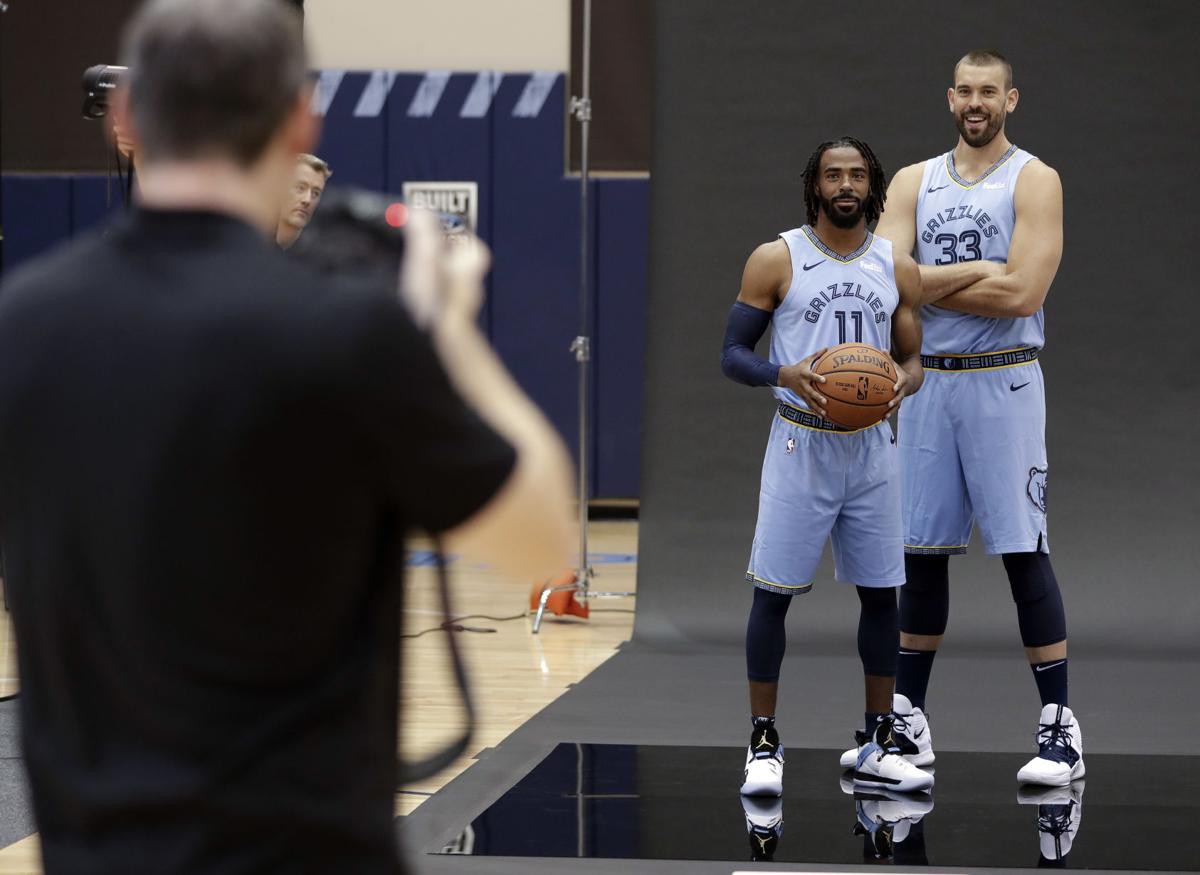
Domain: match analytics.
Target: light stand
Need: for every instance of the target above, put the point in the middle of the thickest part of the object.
(581, 346)
(3, 9)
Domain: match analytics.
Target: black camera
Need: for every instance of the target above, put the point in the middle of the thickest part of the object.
(350, 232)
(98, 82)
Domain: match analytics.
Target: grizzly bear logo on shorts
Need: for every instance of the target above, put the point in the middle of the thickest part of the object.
(1036, 488)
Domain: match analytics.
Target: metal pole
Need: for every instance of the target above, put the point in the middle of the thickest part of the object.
(583, 341)
(581, 109)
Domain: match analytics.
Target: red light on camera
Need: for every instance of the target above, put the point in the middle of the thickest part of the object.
(396, 215)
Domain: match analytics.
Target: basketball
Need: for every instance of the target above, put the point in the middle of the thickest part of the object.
(858, 383)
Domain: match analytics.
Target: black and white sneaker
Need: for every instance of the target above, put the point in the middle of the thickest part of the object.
(764, 825)
(1060, 813)
(912, 724)
(886, 819)
(763, 775)
(1060, 750)
(880, 764)
(911, 727)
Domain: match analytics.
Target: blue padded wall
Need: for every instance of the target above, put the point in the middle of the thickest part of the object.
(352, 140)
(505, 132)
(37, 215)
(535, 278)
(429, 139)
(94, 201)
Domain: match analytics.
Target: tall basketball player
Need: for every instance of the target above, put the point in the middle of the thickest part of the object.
(827, 282)
(985, 221)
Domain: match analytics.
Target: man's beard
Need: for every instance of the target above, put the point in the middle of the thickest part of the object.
(840, 219)
(978, 141)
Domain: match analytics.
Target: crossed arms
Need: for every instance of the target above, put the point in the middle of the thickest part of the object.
(986, 288)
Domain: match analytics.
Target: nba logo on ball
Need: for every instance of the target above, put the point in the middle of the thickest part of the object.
(791, 445)
(1036, 488)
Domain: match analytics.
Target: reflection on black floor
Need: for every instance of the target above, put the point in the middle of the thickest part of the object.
(682, 803)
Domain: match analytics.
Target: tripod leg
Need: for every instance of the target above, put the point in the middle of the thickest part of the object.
(537, 618)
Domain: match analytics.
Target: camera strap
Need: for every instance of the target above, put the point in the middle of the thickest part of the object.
(410, 772)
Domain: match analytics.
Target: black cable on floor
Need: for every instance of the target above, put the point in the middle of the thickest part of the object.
(453, 625)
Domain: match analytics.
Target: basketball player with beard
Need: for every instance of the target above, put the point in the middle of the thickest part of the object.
(984, 221)
(828, 282)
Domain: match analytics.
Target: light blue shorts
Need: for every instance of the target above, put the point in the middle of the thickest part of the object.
(819, 484)
(973, 449)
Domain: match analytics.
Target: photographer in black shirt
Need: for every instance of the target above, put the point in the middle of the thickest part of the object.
(208, 457)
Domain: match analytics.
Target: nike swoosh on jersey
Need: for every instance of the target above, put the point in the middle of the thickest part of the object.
(1013, 387)
(1051, 665)
(816, 264)
(939, 188)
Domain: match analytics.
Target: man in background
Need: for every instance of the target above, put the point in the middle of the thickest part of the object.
(209, 456)
(312, 175)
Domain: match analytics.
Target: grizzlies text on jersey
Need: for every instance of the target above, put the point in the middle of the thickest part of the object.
(959, 221)
(833, 299)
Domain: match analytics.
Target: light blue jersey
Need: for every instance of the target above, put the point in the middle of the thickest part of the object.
(973, 440)
(832, 299)
(821, 482)
(960, 221)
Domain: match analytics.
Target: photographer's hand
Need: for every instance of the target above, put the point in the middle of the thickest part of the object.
(440, 281)
(526, 530)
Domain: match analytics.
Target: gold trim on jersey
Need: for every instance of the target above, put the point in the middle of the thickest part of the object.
(966, 186)
(811, 236)
(802, 587)
(967, 355)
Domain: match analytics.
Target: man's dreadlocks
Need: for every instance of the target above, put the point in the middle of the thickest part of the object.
(878, 180)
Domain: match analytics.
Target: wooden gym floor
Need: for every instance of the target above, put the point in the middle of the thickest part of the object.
(514, 673)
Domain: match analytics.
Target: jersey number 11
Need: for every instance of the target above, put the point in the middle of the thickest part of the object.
(856, 317)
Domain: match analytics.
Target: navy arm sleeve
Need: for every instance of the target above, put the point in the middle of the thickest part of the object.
(743, 330)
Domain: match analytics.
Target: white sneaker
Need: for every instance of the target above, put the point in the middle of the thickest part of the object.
(1060, 750)
(912, 734)
(764, 764)
(1060, 812)
(764, 825)
(849, 758)
(886, 817)
(911, 724)
(880, 765)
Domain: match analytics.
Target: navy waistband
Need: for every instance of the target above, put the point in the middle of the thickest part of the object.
(808, 419)
(980, 361)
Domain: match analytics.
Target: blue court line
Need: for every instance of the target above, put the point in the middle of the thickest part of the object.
(425, 559)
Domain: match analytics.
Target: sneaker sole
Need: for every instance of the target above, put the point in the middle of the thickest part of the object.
(761, 790)
(896, 785)
(919, 760)
(1077, 771)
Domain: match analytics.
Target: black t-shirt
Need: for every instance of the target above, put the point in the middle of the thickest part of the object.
(208, 456)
